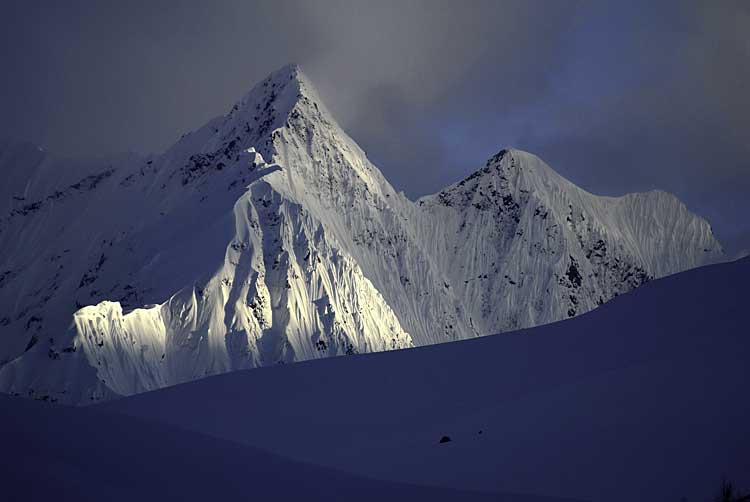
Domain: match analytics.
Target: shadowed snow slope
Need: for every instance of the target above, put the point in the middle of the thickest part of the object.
(267, 237)
(80, 454)
(644, 398)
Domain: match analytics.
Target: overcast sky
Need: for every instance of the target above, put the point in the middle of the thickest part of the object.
(621, 96)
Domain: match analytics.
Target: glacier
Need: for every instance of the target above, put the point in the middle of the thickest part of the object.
(267, 237)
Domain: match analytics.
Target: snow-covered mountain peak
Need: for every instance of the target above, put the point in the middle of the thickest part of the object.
(270, 103)
(280, 90)
(506, 176)
(258, 121)
(267, 236)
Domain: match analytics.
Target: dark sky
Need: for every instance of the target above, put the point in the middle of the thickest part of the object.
(616, 96)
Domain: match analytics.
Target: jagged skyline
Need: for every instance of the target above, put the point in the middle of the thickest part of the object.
(618, 97)
(267, 237)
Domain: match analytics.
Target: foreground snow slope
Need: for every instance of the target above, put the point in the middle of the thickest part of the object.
(267, 237)
(74, 454)
(644, 398)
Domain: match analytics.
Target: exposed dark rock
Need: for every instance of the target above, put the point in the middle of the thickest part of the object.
(574, 276)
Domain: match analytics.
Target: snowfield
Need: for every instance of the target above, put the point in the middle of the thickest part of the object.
(267, 237)
(80, 454)
(644, 398)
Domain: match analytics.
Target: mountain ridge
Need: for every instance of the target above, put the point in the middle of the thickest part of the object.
(267, 236)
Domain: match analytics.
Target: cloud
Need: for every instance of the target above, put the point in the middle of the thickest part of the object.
(617, 96)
